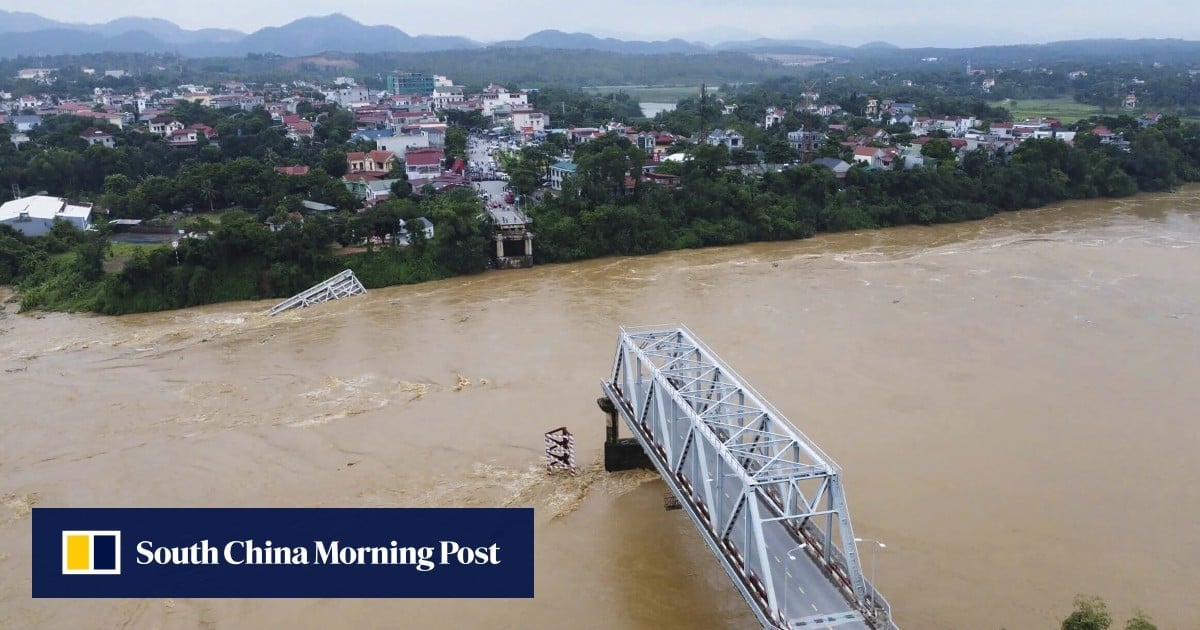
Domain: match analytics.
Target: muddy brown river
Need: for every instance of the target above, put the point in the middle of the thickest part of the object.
(1014, 403)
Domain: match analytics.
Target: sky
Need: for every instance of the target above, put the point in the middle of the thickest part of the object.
(913, 23)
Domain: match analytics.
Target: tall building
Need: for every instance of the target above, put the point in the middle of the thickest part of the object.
(410, 83)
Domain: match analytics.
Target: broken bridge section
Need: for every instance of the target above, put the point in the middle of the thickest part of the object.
(765, 498)
(345, 284)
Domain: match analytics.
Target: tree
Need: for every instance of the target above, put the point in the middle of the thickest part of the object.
(456, 142)
(1140, 621)
(334, 162)
(1091, 613)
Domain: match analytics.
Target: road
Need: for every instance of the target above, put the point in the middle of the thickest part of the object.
(808, 594)
(477, 149)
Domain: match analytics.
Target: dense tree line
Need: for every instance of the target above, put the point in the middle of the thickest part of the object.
(715, 205)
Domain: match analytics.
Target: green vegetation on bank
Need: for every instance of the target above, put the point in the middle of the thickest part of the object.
(1091, 613)
(596, 215)
(240, 260)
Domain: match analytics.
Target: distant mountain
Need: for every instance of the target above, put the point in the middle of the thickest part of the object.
(70, 42)
(584, 41)
(168, 32)
(878, 46)
(337, 32)
(21, 22)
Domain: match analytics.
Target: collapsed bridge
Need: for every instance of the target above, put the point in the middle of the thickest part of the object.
(765, 498)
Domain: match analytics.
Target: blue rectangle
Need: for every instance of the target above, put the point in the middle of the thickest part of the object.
(195, 552)
(104, 552)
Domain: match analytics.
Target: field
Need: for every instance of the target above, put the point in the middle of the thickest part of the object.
(1064, 109)
(119, 253)
(653, 93)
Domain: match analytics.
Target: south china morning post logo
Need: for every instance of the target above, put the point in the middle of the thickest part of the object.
(91, 552)
(320, 552)
(283, 552)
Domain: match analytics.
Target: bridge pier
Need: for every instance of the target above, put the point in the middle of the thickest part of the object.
(620, 453)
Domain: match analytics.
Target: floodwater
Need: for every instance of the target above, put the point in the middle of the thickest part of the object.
(650, 110)
(1013, 401)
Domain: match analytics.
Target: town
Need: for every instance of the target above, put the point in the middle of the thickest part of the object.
(363, 165)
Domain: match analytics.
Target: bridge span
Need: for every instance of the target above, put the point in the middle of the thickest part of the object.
(765, 498)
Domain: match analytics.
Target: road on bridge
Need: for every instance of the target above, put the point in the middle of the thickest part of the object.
(809, 595)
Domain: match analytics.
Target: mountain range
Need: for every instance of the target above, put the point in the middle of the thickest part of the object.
(28, 34)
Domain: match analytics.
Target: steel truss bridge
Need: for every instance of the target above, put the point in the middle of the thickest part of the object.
(766, 499)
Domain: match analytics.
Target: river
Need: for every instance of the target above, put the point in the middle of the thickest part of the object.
(1013, 402)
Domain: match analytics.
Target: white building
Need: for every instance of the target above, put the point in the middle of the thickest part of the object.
(35, 74)
(529, 121)
(349, 96)
(34, 216)
(499, 98)
(401, 143)
(774, 117)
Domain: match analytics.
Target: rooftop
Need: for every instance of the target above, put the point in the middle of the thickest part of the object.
(43, 207)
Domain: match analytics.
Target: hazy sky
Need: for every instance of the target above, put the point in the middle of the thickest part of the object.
(908, 23)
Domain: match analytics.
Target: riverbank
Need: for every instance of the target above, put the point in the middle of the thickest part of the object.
(378, 268)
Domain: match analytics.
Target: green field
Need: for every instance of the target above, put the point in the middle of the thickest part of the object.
(1064, 109)
(653, 93)
(119, 253)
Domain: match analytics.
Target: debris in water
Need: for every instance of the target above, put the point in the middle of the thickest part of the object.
(463, 383)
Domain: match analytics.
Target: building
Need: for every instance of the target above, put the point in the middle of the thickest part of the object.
(95, 136)
(35, 216)
(731, 139)
(529, 121)
(495, 99)
(40, 75)
(26, 123)
(164, 126)
(422, 225)
(423, 163)
(839, 167)
(805, 142)
(559, 172)
(368, 191)
(402, 143)
(774, 117)
(370, 162)
(183, 138)
(347, 97)
(411, 83)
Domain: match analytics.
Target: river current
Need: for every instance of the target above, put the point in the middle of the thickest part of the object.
(1014, 403)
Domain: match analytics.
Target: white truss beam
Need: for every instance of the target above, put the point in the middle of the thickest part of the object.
(345, 284)
(753, 484)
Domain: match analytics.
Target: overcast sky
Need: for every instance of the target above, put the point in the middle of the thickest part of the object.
(908, 23)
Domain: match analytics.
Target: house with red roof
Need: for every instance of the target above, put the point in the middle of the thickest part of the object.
(183, 138)
(423, 163)
(292, 170)
(204, 129)
(95, 136)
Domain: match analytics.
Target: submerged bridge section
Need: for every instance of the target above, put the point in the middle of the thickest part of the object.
(342, 285)
(766, 499)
